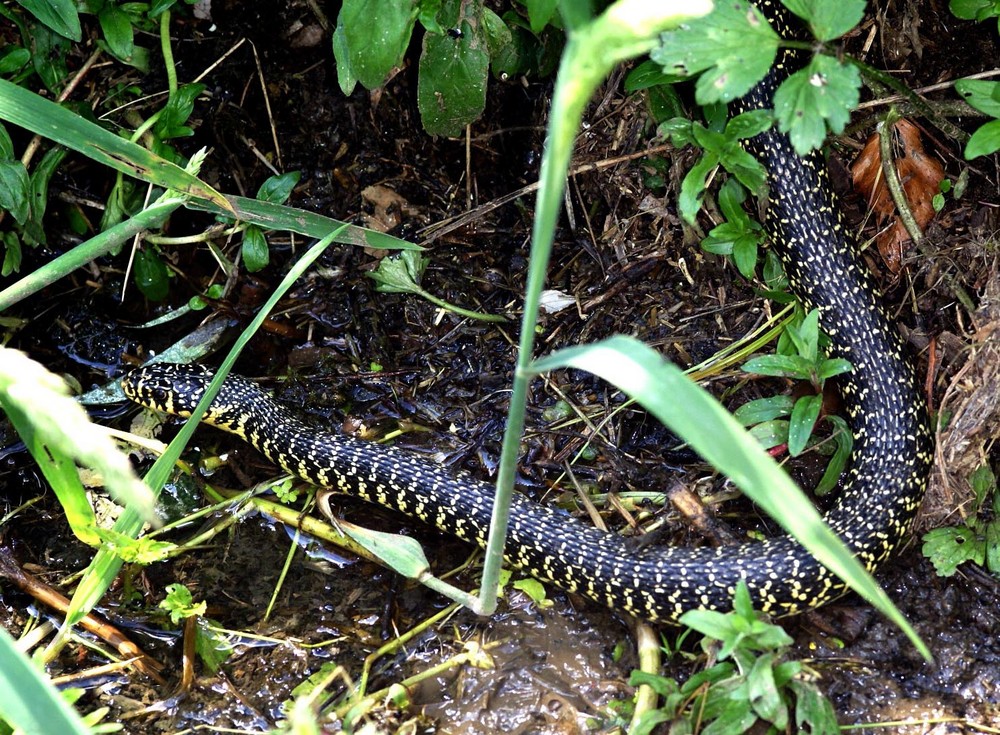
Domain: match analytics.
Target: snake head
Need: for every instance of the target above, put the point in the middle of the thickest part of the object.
(167, 387)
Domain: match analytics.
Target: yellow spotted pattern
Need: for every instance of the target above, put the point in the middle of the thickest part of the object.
(892, 449)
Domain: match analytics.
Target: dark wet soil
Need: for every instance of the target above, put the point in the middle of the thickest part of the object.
(358, 358)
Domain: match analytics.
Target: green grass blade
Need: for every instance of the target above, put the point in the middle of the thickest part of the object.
(29, 702)
(626, 29)
(59, 434)
(105, 565)
(700, 420)
(44, 117)
(107, 242)
(271, 216)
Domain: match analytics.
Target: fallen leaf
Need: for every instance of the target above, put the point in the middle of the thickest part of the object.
(921, 176)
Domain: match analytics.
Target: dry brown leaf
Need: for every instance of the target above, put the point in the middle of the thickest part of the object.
(920, 175)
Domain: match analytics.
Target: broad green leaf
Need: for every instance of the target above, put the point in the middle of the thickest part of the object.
(813, 99)
(693, 186)
(117, 28)
(346, 78)
(763, 409)
(496, 33)
(14, 188)
(770, 434)
(833, 366)
(277, 189)
(376, 34)
(734, 47)
(803, 419)
(151, 275)
(745, 254)
(763, 692)
(975, 9)
(779, 366)
(828, 20)
(984, 141)
(813, 712)
(451, 86)
(400, 274)
(256, 254)
(540, 12)
(844, 444)
(59, 15)
(402, 553)
(748, 124)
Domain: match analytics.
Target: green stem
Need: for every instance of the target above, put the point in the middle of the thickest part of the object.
(625, 30)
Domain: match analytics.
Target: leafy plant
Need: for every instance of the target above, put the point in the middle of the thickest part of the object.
(782, 420)
(985, 97)
(978, 540)
(751, 683)
(461, 41)
(739, 236)
(402, 274)
(976, 10)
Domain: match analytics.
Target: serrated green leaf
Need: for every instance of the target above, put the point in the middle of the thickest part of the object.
(815, 98)
(256, 254)
(984, 141)
(828, 20)
(400, 274)
(947, 548)
(734, 47)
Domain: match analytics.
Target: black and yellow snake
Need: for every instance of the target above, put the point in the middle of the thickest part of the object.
(889, 468)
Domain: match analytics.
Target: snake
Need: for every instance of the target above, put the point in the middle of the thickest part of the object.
(872, 514)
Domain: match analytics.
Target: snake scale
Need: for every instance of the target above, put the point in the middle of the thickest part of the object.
(873, 513)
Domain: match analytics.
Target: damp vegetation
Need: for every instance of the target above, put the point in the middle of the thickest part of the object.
(139, 189)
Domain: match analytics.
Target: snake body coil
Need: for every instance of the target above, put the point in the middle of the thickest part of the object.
(890, 464)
